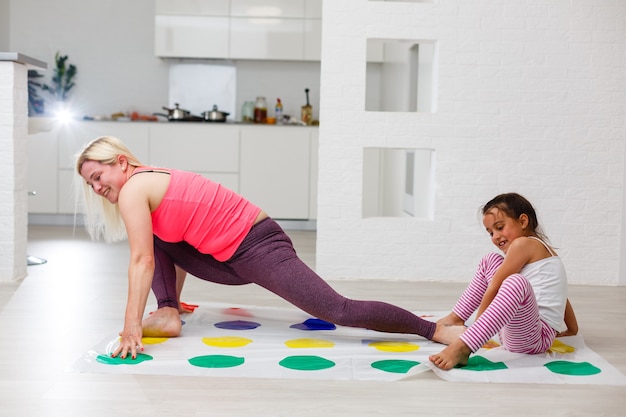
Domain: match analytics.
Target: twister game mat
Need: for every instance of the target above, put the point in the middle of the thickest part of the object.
(259, 342)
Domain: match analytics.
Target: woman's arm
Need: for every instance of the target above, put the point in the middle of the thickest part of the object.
(135, 209)
(570, 321)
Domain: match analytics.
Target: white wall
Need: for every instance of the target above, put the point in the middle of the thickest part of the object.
(112, 44)
(4, 25)
(531, 98)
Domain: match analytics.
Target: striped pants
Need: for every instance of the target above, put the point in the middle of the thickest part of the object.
(513, 314)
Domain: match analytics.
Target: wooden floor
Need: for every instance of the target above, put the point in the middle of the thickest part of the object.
(69, 304)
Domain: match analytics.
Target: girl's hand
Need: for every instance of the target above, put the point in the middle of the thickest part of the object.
(130, 342)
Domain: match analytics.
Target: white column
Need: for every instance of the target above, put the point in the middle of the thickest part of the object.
(13, 164)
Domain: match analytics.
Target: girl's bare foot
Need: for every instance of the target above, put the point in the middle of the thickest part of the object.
(455, 354)
(165, 322)
(447, 334)
(451, 320)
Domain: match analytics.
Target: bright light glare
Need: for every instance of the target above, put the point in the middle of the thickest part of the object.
(64, 116)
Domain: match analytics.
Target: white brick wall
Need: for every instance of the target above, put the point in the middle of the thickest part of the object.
(532, 99)
(13, 193)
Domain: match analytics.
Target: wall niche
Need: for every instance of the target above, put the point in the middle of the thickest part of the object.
(398, 182)
(401, 75)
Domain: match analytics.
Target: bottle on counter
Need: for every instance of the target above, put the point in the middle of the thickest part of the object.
(279, 112)
(260, 110)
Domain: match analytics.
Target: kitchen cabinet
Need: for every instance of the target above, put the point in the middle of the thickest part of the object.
(273, 166)
(312, 39)
(276, 29)
(276, 170)
(191, 36)
(212, 151)
(243, 29)
(266, 38)
(42, 167)
(193, 7)
(192, 28)
(267, 8)
(74, 136)
(313, 9)
(314, 158)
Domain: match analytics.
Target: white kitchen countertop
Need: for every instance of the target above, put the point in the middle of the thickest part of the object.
(22, 59)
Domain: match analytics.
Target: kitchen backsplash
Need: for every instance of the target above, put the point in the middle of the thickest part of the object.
(199, 84)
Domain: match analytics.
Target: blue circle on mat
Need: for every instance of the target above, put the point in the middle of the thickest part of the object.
(237, 325)
(314, 324)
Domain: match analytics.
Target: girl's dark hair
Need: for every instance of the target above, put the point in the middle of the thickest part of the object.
(514, 205)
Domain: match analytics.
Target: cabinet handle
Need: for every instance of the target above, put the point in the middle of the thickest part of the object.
(32, 193)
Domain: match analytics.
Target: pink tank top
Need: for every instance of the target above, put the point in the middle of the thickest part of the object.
(203, 213)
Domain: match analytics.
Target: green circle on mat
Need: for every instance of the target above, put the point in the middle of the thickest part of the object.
(216, 361)
(396, 366)
(478, 363)
(572, 368)
(109, 360)
(306, 363)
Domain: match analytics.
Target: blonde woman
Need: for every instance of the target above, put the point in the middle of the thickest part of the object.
(176, 218)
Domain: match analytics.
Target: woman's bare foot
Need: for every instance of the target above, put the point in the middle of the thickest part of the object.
(447, 334)
(165, 322)
(455, 354)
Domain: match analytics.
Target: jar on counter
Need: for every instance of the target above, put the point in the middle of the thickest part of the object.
(260, 110)
(247, 112)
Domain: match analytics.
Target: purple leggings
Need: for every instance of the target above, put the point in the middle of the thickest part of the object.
(267, 258)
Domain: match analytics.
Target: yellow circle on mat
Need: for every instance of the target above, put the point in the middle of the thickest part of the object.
(560, 347)
(150, 340)
(394, 346)
(226, 341)
(153, 340)
(309, 343)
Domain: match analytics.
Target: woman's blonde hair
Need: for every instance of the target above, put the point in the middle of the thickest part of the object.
(103, 219)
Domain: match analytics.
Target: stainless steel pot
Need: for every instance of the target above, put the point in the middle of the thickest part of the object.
(175, 114)
(215, 115)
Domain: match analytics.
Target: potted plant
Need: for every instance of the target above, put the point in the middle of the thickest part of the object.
(35, 102)
(63, 78)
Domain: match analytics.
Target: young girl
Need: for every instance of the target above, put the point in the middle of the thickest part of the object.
(521, 296)
(178, 221)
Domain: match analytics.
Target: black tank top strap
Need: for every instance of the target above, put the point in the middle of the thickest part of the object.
(141, 170)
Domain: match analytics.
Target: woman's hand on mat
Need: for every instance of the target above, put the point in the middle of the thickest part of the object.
(130, 341)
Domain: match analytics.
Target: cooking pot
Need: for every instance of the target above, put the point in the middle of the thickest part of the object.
(215, 115)
(175, 114)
